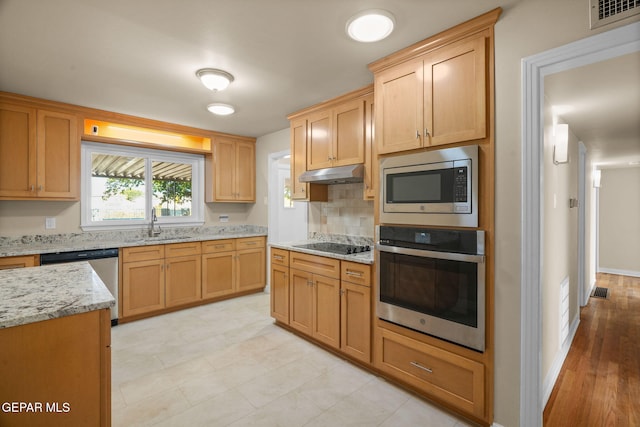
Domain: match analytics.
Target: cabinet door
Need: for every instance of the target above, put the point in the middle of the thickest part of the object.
(319, 143)
(326, 310)
(58, 156)
(250, 269)
(348, 133)
(182, 280)
(355, 321)
(225, 169)
(370, 158)
(301, 301)
(17, 151)
(280, 293)
(455, 92)
(298, 158)
(218, 275)
(142, 287)
(399, 108)
(245, 172)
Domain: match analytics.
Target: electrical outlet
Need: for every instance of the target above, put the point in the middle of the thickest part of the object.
(223, 218)
(49, 223)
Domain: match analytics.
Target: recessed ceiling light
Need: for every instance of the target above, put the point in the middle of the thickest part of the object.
(220, 109)
(370, 25)
(214, 79)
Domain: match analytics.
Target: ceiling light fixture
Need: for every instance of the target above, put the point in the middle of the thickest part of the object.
(220, 109)
(370, 25)
(214, 79)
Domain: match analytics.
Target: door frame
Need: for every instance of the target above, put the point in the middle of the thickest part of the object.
(603, 46)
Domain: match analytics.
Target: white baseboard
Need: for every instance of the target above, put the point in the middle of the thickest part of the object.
(619, 272)
(561, 355)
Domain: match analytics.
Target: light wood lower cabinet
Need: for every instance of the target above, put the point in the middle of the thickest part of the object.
(448, 377)
(355, 310)
(142, 280)
(183, 282)
(279, 285)
(63, 364)
(324, 298)
(19, 261)
(159, 277)
(233, 266)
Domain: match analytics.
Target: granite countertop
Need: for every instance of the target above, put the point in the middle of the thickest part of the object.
(29, 245)
(362, 257)
(33, 294)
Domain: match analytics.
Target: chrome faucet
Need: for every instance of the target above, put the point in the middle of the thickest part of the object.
(153, 230)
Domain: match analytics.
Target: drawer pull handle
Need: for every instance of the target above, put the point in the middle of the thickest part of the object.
(424, 368)
(251, 243)
(279, 257)
(219, 246)
(353, 273)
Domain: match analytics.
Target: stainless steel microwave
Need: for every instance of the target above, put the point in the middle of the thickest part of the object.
(438, 187)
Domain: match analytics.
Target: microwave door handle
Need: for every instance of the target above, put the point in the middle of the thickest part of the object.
(451, 256)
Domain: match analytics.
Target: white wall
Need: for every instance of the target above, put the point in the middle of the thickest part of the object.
(619, 221)
(527, 28)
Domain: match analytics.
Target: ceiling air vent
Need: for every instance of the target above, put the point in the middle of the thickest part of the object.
(604, 12)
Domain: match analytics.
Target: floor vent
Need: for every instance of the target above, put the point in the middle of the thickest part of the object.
(604, 12)
(599, 292)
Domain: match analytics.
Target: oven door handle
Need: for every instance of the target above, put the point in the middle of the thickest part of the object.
(452, 256)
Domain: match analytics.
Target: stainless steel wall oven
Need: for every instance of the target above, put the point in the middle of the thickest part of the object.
(433, 281)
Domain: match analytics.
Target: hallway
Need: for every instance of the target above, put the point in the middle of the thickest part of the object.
(599, 384)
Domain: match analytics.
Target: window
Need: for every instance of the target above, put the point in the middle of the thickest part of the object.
(124, 186)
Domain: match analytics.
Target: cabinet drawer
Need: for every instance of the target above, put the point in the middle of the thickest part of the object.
(279, 257)
(142, 253)
(328, 267)
(182, 249)
(354, 272)
(250, 243)
(446, 376)
(213, 246)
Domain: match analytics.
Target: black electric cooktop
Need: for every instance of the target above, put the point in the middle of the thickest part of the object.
(335, 248)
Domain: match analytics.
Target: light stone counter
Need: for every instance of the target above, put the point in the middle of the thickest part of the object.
(34, 294)
(362, 257)
(41, 244)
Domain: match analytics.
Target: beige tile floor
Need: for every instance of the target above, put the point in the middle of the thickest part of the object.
(227, 364)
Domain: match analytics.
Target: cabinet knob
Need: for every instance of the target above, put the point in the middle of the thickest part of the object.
(426, 132)
(417, 134)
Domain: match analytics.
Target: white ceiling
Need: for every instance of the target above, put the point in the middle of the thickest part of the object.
(603, 107)
(140, 57)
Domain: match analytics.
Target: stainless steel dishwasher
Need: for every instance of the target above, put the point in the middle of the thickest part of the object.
(103, 261)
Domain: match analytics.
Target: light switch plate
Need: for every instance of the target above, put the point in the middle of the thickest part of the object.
(223, 218)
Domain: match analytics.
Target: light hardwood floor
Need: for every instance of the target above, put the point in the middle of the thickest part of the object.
(599, 384)
(227, 364)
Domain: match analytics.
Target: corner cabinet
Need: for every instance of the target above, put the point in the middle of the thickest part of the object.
(39, 153)
(437, 98)
(231, 170)
(302, 190)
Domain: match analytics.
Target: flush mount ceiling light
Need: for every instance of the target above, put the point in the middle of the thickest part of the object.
(214, 79)
(370, 25)
(220, 109)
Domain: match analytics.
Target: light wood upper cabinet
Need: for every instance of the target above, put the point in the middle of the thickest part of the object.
(437, 98)
(370, 157)
(302, 190)
(231, 171)
(39, 154)
(336, 135)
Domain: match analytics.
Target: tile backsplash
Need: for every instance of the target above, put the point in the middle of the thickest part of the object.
(345, 213)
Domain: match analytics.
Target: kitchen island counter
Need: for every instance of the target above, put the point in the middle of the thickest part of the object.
(33, 294)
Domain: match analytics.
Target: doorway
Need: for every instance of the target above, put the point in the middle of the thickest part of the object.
(287, 219)
(592, 49)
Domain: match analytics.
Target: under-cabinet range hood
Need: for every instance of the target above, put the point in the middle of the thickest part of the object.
(337, 175)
